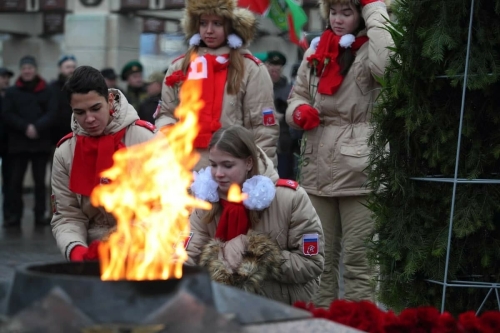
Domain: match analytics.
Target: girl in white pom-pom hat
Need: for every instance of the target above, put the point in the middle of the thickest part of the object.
(332, 100)
(271, 243)
(236, 87)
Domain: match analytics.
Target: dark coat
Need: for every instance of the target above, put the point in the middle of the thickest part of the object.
(3, 134)
(24, 105)
(62, 121)
(281, 91)
(135, 96)
(148, 108)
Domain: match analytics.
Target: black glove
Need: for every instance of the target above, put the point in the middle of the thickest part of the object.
(280, 105)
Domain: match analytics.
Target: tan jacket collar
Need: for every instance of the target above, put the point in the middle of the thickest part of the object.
(124, 115)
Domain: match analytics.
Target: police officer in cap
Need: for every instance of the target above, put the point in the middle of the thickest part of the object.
(136, 90)
(275, 61)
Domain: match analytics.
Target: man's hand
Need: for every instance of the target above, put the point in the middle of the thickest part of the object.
(31, 132)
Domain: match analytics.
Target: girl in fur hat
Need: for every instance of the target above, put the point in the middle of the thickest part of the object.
(237, 88)
(272, 243)
(332, 101)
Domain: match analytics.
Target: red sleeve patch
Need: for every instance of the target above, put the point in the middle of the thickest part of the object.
(287, 183)
(146, 124)
(310, 244)
(64, 138)
(187, 240)
(268, 118)
(253, 58)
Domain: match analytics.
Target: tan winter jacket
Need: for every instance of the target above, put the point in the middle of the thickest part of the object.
(335, 154)
(283, 224)
(245, 108)
(75, 220)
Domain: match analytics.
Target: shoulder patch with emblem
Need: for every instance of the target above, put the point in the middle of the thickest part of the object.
(146, 124)
(253, 58)
(187, 240)
(268, 118)
(287, 183)
(64, 138)
(310, 244)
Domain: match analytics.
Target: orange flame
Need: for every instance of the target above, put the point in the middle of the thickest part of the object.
(234, 194)
(148, 196)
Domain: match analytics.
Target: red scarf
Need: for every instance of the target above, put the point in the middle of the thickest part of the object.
(325, 61)
(233, 221)
(92, 156)
(213, 84)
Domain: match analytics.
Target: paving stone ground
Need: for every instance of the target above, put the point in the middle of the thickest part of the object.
(30, 244)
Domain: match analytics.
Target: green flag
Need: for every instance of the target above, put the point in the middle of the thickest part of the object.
(289, 16)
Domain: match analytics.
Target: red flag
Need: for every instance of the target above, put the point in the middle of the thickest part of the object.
(256, 6)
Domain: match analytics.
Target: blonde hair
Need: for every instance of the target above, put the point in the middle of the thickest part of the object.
(236, 69)
(238, 142)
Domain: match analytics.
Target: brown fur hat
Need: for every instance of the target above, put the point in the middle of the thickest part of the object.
(243, 22)
(324, 6)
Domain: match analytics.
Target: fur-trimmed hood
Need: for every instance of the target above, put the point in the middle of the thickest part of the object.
(243, 22)
(324, 6)
(261, 261)
(123, 115)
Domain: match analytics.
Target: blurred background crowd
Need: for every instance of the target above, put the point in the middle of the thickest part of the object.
(132, 43)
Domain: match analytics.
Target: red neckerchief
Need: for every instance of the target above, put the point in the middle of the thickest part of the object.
(212, 94)
(92, 156)
(325, 61)
(233, 221)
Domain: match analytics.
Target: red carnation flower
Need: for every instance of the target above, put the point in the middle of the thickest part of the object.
(342, 312)
(314, 59)
(301, 305)
(490, 320)
(469, 322)
(367, 317)
(370, 317)
(328, 57)
(446, 324)
(427, 318)
(392, 324)
(321, 313)
(362, 315)
(408, 318)
(174, 78)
